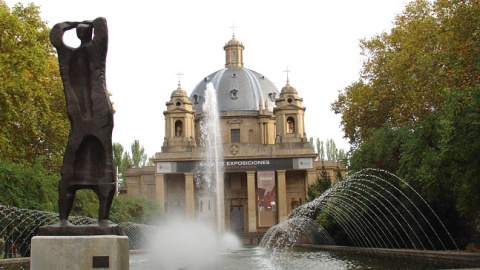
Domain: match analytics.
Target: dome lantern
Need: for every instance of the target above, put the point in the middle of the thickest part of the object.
(234, 53)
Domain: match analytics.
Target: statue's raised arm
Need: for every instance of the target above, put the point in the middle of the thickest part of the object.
(100, 30)
(56, 35)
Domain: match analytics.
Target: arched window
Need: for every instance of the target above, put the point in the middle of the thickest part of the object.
(290, 125)
(178, 128)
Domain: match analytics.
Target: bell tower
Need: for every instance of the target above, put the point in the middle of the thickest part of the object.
(290, 116)
(179, 122)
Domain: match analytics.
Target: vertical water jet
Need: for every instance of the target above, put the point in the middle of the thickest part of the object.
(211, 141)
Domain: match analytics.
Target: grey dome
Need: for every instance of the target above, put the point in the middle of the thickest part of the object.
(237, 88)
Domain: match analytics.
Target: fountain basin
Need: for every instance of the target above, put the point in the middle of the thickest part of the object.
(312, 258)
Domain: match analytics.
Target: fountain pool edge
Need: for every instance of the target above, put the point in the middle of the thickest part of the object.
(471, 257)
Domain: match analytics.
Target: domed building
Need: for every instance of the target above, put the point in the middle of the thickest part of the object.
(268, 161)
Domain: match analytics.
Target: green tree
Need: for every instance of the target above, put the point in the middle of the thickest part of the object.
(431, 49)
(117, 154)
(437, 158)
(331, 149)
(150, 162)
(126, 162)
(338, 175)
(328, 150)
(86, 204)
(382, 150)
(320, 150)
(414, 111)
(333, 153)
(138, 209)
(139, 157)
(323, 183)
(33, 121)
(26, 186)
(121, 160)
(443, 157)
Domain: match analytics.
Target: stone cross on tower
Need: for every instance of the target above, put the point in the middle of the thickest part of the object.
(233, 29)
(287, 71)
(179, 74)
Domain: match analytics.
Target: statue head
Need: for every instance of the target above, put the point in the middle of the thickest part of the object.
(84, 32)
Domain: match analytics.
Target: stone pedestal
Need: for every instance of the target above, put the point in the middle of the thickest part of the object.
(79, 252)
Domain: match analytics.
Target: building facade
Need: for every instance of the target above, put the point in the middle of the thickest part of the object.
(268, 161)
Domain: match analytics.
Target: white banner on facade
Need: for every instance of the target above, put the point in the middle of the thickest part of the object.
(304, 163)
(164, 167)
(266, 191)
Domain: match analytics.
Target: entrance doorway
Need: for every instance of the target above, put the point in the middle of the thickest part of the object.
(236, 218)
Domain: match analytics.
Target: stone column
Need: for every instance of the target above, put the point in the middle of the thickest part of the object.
(171, 129)
(252, 202)
(189, 196)
(282, 195)
(160, 189)
(301, 124)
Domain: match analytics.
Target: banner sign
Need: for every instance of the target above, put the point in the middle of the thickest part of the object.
(165, 167)
(268, 164)
(258, 164)
(304, 163)
(266, 191)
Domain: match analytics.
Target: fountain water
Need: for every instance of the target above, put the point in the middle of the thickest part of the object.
(138, 234)
(296, 229)
(199, 247)
(211, 180)
(179, 244)
(18, 226)
(376, 209)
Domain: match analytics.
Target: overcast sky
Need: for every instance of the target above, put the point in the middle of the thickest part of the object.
(151, 41)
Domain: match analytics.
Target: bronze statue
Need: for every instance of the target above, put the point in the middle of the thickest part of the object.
(88, 158)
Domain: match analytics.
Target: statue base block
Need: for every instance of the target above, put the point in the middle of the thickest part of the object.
(79, 252)
(78, 230)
